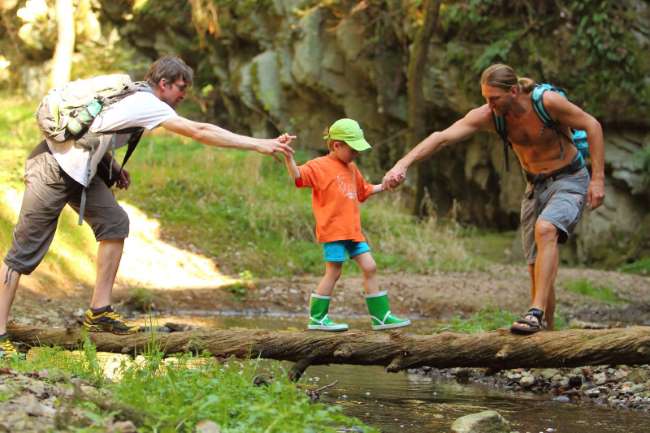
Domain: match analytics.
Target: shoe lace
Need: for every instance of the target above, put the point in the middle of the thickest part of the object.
(114, 316)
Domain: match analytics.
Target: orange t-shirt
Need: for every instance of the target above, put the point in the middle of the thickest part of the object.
(337, 190)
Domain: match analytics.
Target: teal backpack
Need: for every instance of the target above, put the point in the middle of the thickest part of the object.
(578, 136)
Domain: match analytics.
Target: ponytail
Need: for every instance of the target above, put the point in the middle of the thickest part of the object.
(504, 77)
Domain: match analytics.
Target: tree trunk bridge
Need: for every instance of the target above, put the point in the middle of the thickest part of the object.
(395, 350)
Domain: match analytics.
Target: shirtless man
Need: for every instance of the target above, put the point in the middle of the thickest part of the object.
(559, 184)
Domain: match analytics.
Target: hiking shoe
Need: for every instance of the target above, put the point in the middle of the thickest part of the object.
(7, 348)
(108, 321)
(326, 324)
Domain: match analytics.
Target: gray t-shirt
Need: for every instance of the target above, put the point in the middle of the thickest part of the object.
(141, 109)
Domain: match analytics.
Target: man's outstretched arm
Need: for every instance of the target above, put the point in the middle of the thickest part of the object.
(474, 121)
(212, 135)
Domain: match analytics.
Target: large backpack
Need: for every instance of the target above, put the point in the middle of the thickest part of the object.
(578, 137)
(67, 112)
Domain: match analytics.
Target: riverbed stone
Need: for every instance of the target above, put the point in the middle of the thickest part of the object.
(488, 421)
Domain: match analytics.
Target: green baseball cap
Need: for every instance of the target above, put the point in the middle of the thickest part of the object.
(349, 131)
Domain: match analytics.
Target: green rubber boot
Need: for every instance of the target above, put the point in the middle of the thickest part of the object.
(318, 319)
(379, 309)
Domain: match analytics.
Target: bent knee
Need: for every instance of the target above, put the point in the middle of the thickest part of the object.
(545, 230)
(369, 270)
(117, 227)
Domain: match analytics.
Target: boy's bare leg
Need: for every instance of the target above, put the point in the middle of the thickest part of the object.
(109, 254)
(332, 275)
(369, 269)
(8, 284)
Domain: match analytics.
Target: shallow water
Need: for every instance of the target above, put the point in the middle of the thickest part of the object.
(401, 402)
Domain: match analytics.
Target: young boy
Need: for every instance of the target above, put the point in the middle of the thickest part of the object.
(337, 189)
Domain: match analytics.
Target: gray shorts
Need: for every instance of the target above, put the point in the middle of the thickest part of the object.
(47, 190)
(558, 200)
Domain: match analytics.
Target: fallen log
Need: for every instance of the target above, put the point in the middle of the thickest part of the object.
(395, 350)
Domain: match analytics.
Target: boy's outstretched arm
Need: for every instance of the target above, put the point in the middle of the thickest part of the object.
(292, 168)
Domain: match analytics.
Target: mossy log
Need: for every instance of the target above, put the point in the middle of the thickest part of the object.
(396, 350)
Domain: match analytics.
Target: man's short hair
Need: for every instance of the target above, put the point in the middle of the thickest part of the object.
(171, 68)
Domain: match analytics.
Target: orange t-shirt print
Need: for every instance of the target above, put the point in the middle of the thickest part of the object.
(337, 190)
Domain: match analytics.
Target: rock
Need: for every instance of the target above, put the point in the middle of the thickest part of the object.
(527, 381)
(123, 427)
(562, 399)
(600, 378)
(207, 426)
(548, 373)
(488, 421)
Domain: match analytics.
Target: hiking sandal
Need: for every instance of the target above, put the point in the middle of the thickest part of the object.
(531, 322)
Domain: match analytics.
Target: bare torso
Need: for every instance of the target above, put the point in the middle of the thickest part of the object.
(538, 148)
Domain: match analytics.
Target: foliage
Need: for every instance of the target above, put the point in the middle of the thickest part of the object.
(587, 288)
(601, 60)
(174, 394)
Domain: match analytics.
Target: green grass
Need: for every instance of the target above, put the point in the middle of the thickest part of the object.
(239, 207)
(591, 290)
(640, 267)
(489, 319)
(173, 395)
(485, 320)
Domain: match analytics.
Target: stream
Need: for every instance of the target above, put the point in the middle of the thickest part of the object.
(406, 402)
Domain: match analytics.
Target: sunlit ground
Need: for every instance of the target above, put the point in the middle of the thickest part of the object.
(148, 261)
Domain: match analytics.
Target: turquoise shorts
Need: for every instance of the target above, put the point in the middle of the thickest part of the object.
(340, 251)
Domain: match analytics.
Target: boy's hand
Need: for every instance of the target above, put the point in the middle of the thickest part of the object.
(286, 138)
(394, 177)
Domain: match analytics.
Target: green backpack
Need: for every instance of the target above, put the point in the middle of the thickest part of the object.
(578, 136)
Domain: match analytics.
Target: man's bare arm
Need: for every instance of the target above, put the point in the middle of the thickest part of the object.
(213, 135)
(568, 114)
(477, 119)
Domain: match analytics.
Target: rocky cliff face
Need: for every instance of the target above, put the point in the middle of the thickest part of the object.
(270, 66)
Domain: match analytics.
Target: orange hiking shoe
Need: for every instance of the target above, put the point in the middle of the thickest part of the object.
(108, 321)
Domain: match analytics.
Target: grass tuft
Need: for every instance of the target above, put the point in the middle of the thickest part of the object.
(587, 288)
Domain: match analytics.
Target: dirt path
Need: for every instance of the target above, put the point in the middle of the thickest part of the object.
(439, 296)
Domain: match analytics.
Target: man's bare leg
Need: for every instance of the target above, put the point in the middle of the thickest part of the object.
(545, 269)
(109, 254)
(531, 273)
(8, 284)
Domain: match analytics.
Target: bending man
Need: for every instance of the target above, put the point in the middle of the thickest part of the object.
(559, 184)
(60, 173)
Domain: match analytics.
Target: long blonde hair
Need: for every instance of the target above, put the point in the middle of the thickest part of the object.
(504, 77)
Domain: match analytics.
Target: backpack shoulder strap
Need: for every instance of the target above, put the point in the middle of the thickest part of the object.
(537, 98)
(500, 126)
